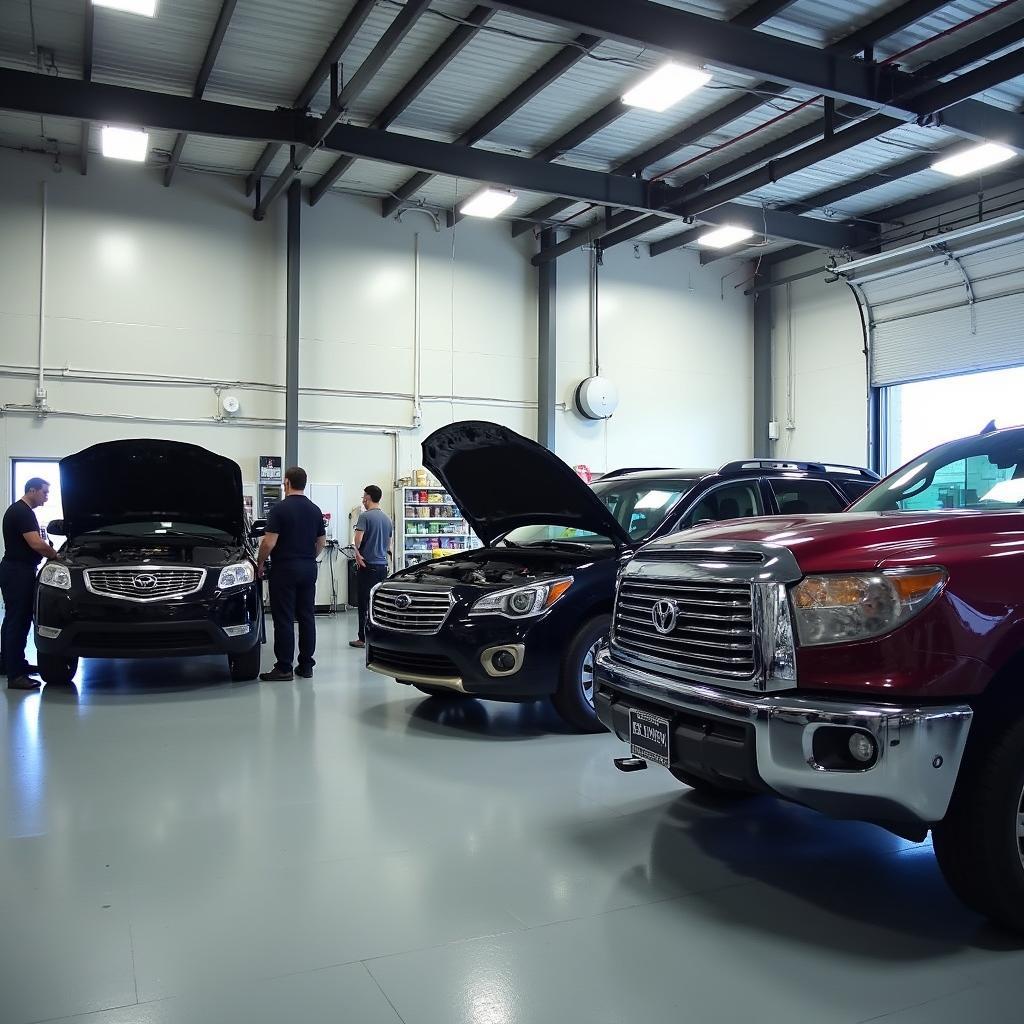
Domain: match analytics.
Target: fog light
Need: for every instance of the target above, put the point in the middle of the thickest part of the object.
(503, 661)
(48, 631)
(237, 630)
(863, 747)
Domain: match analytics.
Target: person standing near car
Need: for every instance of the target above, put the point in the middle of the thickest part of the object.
(373, 539)
(23, 548)
(296, 536)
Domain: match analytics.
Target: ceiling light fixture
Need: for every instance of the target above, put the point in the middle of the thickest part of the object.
(125, 143)
(488, 203)
(723, 237)
(147, 8)
(977, 158)
(665, 87)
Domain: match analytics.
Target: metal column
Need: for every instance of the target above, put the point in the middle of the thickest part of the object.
(763, 356)
(547, 347)
(291, 378)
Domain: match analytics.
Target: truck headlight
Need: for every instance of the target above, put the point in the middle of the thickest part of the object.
(55, 575)
(857, 606)
(236, 575)
(522, 602)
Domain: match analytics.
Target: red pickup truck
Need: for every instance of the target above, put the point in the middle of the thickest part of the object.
(869, 665)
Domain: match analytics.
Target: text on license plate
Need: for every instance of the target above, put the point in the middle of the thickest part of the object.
(649, 736)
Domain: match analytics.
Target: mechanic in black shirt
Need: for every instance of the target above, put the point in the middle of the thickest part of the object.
(23, 547)
(296, 536)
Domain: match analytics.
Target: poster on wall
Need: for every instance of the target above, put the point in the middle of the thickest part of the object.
(271, 469)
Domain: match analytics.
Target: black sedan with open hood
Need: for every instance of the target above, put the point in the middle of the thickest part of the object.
(158, 561)
(523, 616)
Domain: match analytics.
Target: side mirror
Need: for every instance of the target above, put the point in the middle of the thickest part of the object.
(55, 528)
(258, 528)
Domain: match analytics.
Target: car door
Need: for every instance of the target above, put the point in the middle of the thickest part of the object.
(734, 499)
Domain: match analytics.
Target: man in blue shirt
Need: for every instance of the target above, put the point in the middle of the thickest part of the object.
(296, 536)
(374, 537)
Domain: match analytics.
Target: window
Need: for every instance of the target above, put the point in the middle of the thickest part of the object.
(23, 470)
(640, 507)
(854, 489)
(738, 500)
(806, 497)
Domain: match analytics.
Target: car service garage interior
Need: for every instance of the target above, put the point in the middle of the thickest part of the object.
(514, 511)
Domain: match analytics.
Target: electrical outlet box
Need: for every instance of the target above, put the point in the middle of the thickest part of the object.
(773, 430)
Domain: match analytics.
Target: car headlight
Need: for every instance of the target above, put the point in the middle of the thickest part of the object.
(522, 602)
(236, 575)
(857, 606)
(55, 575)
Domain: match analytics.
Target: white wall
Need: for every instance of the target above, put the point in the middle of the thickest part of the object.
(148, 282)
(820, 388)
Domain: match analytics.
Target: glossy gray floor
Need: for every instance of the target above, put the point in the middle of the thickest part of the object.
(178, 849)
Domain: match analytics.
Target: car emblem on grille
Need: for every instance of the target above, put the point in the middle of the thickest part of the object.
(144, 581)
(664, 615)
(403, 601)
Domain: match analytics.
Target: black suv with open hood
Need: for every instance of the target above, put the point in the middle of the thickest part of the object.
(523, 616)
(158, 561)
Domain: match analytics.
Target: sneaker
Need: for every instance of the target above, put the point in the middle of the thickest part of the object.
(276, 675)
(23, 683)
(304, 673)
(357, 643)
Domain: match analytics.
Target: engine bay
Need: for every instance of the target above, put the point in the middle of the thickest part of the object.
(490, 568)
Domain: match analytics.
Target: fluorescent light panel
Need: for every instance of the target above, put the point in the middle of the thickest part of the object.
(665, 87)
(977, 158)
(723, 237)
(488, 203)
(147, 8)
(124, 143)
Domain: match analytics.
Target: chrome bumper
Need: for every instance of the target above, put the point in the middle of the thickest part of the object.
(920, 748)
(441, 682)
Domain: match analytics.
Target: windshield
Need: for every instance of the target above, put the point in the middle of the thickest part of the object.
(156, 530)
(983, 473)
(638, 506)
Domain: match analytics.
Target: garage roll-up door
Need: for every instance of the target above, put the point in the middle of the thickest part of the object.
(953, 304)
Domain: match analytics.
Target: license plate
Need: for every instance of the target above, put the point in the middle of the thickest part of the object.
(649, 736)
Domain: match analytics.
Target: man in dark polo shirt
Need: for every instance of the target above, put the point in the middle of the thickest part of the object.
(295, 534)
(374, 537)
(23, 548)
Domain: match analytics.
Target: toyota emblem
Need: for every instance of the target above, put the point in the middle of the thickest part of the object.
(403, 601)
(664, 615)
(144, 581)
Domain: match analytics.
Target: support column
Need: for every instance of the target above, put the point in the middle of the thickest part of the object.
(291, 375)
(547, 348)
(763, 358)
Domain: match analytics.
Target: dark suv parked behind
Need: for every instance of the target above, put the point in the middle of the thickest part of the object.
(522, 617)
(158, 562)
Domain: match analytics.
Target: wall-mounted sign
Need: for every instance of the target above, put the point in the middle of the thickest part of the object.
(271, 469)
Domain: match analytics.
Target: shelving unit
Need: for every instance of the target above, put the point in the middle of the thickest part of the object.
(428, 526)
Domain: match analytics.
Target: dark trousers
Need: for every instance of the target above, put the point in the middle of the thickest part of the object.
(17, 583)
(367, 579)
(293, 597)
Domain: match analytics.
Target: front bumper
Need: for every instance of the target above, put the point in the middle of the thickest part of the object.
(768, 742)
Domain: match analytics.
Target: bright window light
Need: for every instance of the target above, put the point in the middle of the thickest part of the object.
(977, 158)
(665, 87)
(722, 238)
(125, 143)
(147, 8)
(488, 203)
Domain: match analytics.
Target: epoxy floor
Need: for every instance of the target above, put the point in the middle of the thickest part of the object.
(180, 850)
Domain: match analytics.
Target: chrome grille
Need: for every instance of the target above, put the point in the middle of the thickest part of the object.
(410, 611)
(144, 583)
(713, 631)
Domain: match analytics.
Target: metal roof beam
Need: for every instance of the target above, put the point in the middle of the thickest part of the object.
(566, 57)
(432, 67)
(202, 79)
(375, 60)
(339, 44)
(966, 189)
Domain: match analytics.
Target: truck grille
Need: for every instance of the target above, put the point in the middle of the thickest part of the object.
(706, 627)
(411, 611)
(144, 583)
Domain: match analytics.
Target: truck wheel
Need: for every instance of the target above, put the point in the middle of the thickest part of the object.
(245, 666)
(435, 691)
(980, 843)
(56, 669)
(574, 698)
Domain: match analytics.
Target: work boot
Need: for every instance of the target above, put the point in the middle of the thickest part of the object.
(277, 675)
(23, 683)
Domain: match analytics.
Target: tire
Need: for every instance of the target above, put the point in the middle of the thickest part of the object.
(574, 698)
(245, 666)
(978, 845)
(435, 691)
(57, 670)
(711, 790)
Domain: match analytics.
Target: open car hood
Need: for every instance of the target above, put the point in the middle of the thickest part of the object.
(502, 480)
(143, 480)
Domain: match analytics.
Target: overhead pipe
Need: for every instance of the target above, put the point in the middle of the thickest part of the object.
(40, 402)
(417, 337)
